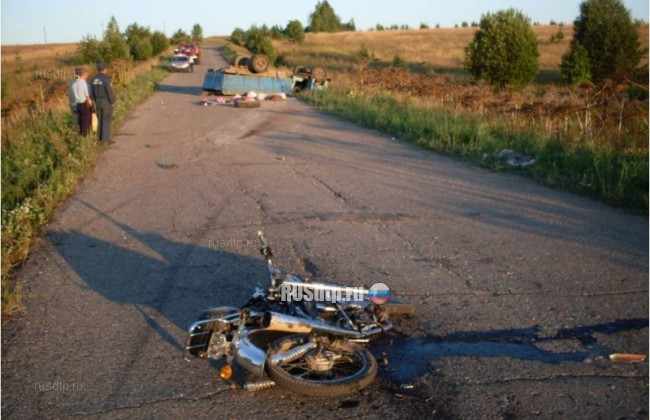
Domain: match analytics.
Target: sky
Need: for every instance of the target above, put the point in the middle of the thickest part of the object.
(34, 21)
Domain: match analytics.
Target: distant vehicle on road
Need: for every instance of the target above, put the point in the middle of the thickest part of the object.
(191, 50)
(181, 63)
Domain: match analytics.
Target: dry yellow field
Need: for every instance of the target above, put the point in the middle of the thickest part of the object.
(438, 50)
(38, 51)
(36, 77)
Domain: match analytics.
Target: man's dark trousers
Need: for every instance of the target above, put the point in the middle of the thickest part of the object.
(104, 117)
(84, 118)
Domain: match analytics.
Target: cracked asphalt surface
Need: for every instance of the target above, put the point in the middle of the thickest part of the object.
(522, 292)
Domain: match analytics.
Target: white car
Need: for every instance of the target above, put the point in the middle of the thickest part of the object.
(181, 62)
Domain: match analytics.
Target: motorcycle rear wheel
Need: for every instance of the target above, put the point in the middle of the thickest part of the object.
(353, 369)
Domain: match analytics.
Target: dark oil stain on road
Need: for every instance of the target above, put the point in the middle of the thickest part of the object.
(408, 358)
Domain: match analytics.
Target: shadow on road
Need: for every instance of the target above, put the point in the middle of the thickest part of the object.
(166, 281)
(187, 90)
(410, 358)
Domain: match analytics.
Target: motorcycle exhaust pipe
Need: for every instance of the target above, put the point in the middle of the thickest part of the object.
(274, 321)
(258, 386)
(291, 355)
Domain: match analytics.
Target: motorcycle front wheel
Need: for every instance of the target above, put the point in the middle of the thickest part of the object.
(332, 369)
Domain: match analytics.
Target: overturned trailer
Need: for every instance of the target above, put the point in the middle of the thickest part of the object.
(247, 75)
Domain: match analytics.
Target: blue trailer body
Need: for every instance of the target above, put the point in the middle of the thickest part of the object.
(234, 84)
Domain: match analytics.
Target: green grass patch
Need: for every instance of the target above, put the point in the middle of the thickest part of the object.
(227, 51)
(43, 159)
(618, 177)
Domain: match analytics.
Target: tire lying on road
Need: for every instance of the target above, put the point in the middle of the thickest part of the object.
(247, 104)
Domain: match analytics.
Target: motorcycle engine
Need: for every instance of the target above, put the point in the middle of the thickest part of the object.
(218, 346)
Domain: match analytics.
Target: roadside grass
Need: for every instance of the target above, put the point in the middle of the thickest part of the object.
(43, 160)
(228, 51)
(618, 176)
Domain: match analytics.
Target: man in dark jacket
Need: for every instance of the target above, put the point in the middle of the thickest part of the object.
(102, 93)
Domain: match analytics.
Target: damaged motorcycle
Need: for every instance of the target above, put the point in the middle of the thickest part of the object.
(309, 338)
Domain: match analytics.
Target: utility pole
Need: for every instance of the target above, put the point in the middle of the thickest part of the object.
(45, 34)
(164, 28)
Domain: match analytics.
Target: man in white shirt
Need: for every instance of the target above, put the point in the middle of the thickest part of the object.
(83, 103)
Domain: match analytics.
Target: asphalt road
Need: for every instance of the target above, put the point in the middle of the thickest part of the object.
(522, 292)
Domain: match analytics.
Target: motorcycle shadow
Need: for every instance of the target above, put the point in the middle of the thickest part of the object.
(167, 282)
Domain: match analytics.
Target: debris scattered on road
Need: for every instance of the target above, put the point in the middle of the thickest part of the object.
(166, 165)
(511, 158)
(153, 146)
(627, 358)
(250, 98)
(407, 386)
(213, 101)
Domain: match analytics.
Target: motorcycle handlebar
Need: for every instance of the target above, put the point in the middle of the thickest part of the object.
(266, 248)
(260, 233)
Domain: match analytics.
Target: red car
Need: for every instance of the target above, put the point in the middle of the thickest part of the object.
(192, 50)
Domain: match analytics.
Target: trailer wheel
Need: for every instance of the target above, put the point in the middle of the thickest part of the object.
(301, 71)
(259, 63)
(319, 74)
(241, 60)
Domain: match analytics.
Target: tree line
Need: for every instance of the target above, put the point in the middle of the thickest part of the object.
(137, 43)
(505, 50)
(258, 39)
(605, 45)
